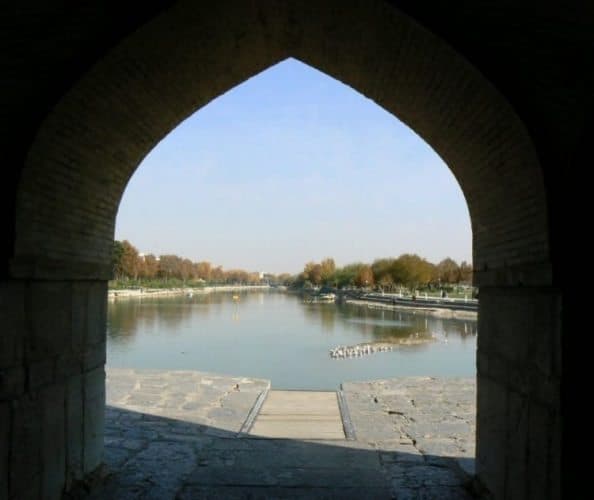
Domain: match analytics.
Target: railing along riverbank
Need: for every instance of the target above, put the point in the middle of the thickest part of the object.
(153, 292)
(470, 305)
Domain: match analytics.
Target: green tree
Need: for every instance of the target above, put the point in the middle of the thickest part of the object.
(415, 271)
(347, 275)
(383, 273)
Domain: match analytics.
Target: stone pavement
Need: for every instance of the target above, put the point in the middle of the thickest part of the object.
(182, 435)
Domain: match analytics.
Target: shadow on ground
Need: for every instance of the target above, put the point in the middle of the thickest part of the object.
(153, 457)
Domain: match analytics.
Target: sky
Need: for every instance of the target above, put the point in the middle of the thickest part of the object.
(293, 166)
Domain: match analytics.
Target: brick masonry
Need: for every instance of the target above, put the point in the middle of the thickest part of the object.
(52, 395)
(83, 109)
(88, 148)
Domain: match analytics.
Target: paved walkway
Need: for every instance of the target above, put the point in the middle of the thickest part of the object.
(183, 435)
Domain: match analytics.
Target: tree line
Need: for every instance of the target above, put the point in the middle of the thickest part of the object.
(408, 270)
(131, 266)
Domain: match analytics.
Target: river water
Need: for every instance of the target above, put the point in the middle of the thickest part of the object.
(276, 336)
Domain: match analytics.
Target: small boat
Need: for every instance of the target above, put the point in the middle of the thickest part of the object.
(235, 297)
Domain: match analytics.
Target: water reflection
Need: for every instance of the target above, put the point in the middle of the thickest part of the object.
(277, 336)
(384, 325)
(167, 314)
(127, 316)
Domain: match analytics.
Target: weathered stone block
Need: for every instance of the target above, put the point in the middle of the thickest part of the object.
(555, 458)
(491, 430)
(4, 448)
(538, 452)
(519, 324)
(25, 457)
(41, 373)
(517, 423)
(53, 447)
(97, 312)
(80, 300)
(67, 366)
(74, 429)
(94, 356)
(557, 344)
(94, 416)
(50, 316)
(12, 382)
(12, 319)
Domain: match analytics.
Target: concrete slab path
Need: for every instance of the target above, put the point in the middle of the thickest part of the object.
(299, 415)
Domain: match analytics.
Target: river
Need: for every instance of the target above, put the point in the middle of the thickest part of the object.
(276, 336)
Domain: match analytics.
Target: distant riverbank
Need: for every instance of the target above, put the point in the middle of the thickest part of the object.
(451, 312)
(153, 292)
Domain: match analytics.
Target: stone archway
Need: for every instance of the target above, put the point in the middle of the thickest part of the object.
(90, 144)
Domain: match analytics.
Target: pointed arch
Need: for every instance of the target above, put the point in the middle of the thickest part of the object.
(89, 146)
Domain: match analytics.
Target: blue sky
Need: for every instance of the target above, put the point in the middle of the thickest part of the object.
(288, 167)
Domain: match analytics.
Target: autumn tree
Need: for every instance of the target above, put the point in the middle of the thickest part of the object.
(284, 279)
(384, 273)
(364, 277)
(327, 270)
(217, 275)
(409, 270)
(116, 259)
(169, 266)
(129, 260)
(312, 272)
(253, 278)
(448, 271)
(150, 267)
(127, 263)
(465, 273)
(414, 271)
(236, 276)
(385, 282)
(186, 269)
(203, 270)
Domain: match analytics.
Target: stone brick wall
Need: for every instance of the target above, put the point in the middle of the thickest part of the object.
(519, 379)
(91, 139)
(52, 389)
(88, 148)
